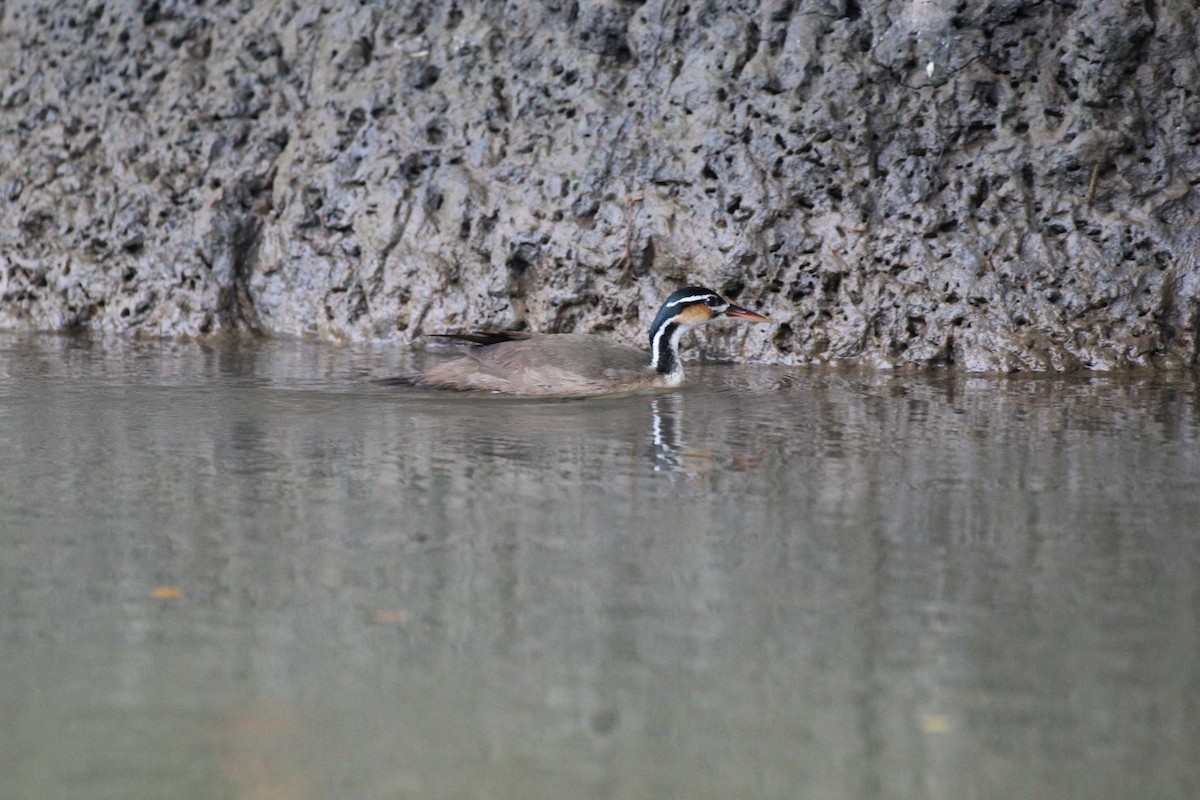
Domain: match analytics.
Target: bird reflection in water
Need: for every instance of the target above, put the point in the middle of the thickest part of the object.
(671, 452)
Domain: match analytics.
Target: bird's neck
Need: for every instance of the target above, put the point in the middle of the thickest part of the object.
(664, 348)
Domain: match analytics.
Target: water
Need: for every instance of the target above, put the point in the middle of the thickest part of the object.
(240, 570)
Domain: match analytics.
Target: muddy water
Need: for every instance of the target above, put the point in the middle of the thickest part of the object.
(241, 570)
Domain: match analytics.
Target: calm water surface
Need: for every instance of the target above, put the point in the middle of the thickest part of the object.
(240, 570)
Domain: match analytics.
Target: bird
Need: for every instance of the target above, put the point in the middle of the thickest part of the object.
(574, 365)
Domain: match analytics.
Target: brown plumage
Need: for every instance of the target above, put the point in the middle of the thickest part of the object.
(568, 364)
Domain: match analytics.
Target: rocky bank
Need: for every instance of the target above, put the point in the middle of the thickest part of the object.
(998, 185)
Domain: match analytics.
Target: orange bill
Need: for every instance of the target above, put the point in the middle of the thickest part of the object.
(745, 313)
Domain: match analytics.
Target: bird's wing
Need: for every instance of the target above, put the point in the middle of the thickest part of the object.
(484, 338)
(583, 355)
(543, 364)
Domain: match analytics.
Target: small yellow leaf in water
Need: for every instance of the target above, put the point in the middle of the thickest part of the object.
(936, 723)
(167, 593)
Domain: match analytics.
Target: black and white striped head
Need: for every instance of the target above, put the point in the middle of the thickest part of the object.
(695, 305)
(687, 308)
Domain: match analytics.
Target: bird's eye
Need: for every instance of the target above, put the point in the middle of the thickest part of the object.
(713, 301)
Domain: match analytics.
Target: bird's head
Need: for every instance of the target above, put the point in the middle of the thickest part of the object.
(687, 308)
(695, 305)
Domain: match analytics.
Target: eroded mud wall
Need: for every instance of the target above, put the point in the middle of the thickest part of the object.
(995, 185)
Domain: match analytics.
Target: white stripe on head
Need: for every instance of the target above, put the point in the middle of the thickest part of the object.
(676, 332)
(654, 344)
(695, 298)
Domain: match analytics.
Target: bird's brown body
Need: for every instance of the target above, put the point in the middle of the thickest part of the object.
(559, 364)
(571, 365)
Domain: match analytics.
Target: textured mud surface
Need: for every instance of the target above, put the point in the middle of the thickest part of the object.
(1003, 185)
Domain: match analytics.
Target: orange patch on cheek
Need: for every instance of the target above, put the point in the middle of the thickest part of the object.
(695, 315)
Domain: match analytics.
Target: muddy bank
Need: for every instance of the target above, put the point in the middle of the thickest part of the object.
(1012, 186)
